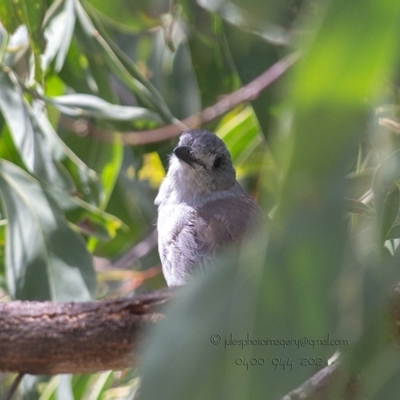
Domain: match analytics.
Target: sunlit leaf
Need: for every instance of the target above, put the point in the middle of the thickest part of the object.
(106, 159)
(58, 34)
(241, 134)
(84, 105)
(152, 170)
(31, 13)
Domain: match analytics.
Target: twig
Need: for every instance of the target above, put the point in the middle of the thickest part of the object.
(247, 93)
(45, 338)
(227, 103)
(137, 252)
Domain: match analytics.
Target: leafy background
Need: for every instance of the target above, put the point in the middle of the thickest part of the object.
(319, 149)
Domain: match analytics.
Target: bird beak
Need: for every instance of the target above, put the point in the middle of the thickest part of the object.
(184, 153)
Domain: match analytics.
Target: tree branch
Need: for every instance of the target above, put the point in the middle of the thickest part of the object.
(53, 338)
(246, 93)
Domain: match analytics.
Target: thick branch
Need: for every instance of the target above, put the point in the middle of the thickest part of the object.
(54, 338)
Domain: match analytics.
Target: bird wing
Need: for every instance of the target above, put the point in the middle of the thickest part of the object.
(190, 237)
(223, 222)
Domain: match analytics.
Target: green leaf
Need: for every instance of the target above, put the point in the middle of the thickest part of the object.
(394, 233)
(241, 134)
(8, 16)
(386, 193)
(245, 46)
(234, 14)
(251, 156)
(172, 73)
(45, 259)
(303, 279)
(100, 383)
(87, 218)
(8, 151)
(28, 136)
(88, 185)
(75, 72)
(132, 202)
(84, 105)
(100, 77)
(31, 13)
(358, 207)
(209, 52)
(126, 15)
(96, 42)
(381, 44)
(107, 161)
(391, 211)
(39, 146)
(58, 33)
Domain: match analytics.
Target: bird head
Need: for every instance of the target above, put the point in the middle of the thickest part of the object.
(203, 162)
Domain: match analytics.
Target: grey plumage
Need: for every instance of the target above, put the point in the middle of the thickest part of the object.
(201, 206)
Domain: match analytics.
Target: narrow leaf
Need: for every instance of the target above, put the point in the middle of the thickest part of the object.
(386, 192)
(236, 15)
(58, 33)
(45, 259)
(31, 13)
(27, 135)
(8, 16)
(85, 105)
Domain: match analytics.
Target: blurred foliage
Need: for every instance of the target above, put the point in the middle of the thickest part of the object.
(319, 149)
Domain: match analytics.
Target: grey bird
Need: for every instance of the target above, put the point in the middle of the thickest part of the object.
(201, 206)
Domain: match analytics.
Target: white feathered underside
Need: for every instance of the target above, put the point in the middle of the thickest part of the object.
(190, 236)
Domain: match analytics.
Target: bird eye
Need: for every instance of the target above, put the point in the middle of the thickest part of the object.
(218, 162)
